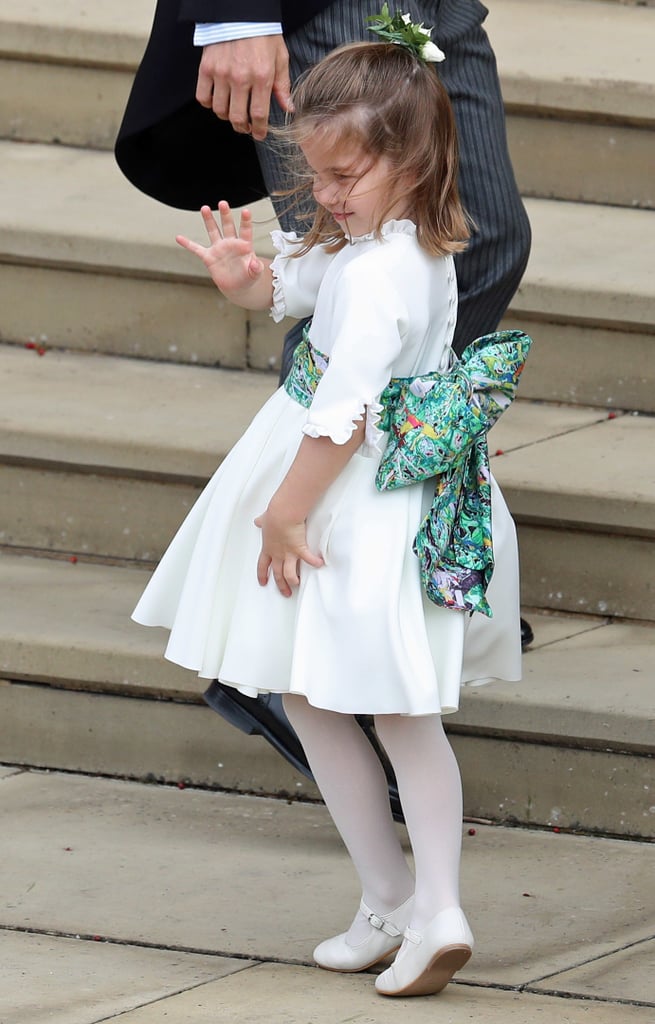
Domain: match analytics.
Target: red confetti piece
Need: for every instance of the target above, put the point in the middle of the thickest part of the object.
(556, 829)
(472, 831)
(611, 415)
(499, 451)
(31, 345)
(73, 559)
(181, 785)
(97, 938)
(41, 350)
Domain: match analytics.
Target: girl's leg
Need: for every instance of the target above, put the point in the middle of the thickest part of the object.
(354, 786)
(431, 795)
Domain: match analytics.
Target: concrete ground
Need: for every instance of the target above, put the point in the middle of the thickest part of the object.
(123, 901)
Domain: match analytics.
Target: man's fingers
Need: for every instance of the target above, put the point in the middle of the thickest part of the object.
(204, 89)
(239, 110)
(282, 83)
(260, 102)
(220, 103)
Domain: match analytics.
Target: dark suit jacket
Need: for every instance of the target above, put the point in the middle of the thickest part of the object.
(168, 145)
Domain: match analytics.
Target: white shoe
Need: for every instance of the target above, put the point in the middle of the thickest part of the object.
(385, 937)
(428, 958)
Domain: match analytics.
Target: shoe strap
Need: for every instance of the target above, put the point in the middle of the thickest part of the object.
(379, 921)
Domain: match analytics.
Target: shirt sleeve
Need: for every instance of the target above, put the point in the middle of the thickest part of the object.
(207, 33)
(296, 281)
(371, 321)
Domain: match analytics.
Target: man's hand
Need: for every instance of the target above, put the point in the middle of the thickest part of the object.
(237, 79)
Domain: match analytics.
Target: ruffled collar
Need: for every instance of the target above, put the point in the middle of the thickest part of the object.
(390, 227)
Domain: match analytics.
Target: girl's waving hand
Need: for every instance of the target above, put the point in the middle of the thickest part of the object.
(234, 267)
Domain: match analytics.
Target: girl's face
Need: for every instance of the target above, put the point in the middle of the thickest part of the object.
(350, 184)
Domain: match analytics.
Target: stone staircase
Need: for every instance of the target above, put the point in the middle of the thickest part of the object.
(126, 378)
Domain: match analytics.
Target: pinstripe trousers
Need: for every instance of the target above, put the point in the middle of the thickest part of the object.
(490, 270)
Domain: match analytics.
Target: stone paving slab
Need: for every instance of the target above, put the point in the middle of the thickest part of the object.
(611, 71)
(112, 35)
(46, 979)
(569, 277)
(555, 479)
(86, 635)
(579, 664)
(279, 994)
(89, 409)
(199, 871)
(550, 628)
(98, 417)
(549, 376)
(614, 662)
(630, 970)
(528, 423)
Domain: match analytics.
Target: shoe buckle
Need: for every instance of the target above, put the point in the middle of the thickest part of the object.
(384, 926)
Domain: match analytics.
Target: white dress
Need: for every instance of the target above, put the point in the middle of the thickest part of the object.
(358, 636)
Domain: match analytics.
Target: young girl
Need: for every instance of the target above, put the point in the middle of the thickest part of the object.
(292, 573)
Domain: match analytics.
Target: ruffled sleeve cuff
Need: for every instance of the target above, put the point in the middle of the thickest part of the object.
(374, 441)
(285, 243)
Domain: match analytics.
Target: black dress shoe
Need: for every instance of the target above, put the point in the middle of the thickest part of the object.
(527, 636)
(265, 716)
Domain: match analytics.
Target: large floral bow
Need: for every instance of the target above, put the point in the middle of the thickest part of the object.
(438, 427)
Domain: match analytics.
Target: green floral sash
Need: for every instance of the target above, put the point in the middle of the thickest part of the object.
(307, 368)
(437, 425)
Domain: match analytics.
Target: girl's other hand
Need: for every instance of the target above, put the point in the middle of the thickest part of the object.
(230, 258)
(284, 547)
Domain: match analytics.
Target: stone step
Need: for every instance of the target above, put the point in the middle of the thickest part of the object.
(90, 263)
(577, 77)
(66, 73)
(85, 689)
(92, 469)
(578, 81)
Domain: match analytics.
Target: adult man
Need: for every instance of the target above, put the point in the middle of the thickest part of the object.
(195, 131)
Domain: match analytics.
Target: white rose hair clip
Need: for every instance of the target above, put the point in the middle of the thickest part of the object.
(399, 28)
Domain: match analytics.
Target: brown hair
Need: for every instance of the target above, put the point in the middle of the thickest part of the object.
(381, 97)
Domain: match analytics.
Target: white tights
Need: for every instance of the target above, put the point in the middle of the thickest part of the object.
(353, 784)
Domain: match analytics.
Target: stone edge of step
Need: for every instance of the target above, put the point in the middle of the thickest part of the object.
(537, 74)
(88, 642)
(569, 275)
(83, 413)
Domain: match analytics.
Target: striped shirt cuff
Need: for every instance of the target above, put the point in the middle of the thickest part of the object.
(207, 33)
